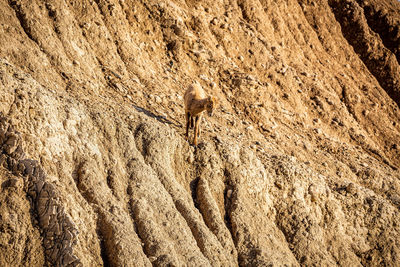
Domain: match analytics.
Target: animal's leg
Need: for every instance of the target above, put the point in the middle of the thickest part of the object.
(191, 122)
(196, 129)
(188, 119)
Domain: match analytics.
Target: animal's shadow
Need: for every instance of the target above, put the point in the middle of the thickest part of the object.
(159, 118)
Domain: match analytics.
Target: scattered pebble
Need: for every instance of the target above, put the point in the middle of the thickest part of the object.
(278, 184)
(214, 21)
(351, 188)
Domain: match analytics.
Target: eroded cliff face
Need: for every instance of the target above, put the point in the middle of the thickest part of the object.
(298, 166)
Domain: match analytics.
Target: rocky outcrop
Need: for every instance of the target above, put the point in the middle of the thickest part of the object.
(58, 231)
(299, 165)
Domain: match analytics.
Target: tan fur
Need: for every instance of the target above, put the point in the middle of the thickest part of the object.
(196, 102)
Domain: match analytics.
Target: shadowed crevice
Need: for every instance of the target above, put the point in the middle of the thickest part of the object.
(379, 60)
(384, 24)
(23, 20)
(228, 204)
(103, 251)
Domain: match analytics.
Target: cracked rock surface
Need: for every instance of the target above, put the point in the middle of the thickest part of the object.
(58, 230)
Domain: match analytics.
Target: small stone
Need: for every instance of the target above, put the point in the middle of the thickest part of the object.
(179, 31)
(312, 190)
(395, 198)
(278, 184)
(214, 21)
(274, 135)
(11, 144)
(2, 159)
(72, 260)
(351, 188)
(305, 74)
(190, 158)
(21, 168)
(203, 77)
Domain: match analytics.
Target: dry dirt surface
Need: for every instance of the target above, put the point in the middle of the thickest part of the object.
(299, 166)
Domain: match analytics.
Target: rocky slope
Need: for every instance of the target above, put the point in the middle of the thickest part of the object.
(298, 166)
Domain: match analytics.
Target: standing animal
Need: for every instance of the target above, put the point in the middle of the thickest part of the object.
(196, 102)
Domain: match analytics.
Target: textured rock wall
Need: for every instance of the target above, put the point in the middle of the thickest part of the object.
(58, 231)
(298, 166)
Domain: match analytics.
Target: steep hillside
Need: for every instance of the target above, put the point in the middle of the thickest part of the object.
(298, 166)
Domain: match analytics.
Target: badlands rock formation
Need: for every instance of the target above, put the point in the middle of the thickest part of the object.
(299, 166)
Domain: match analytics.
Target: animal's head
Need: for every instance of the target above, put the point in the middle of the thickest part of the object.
(211, 105)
